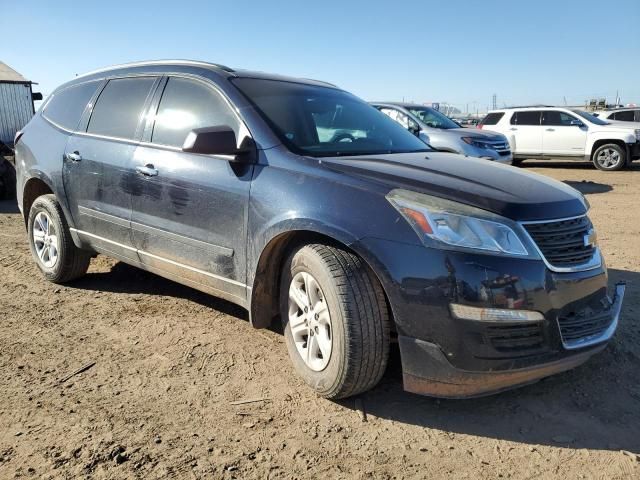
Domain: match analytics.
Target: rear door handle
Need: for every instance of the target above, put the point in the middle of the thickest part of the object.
(513, 129)
(551, 130)
(148, 170)
(73, 156)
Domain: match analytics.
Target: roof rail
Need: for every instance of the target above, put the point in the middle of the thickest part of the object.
(318, 81)
(158, 62)
(533, 106)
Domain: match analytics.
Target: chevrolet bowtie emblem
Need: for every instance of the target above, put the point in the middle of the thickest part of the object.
(590, 239)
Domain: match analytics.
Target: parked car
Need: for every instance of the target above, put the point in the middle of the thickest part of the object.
(630, 114)
(299, 201)
(555, 132)
(445, 135)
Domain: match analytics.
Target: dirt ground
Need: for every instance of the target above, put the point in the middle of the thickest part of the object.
(170, 363)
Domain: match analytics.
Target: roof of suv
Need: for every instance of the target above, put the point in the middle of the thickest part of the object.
(621, 109)
(218, 68)
(530, 107)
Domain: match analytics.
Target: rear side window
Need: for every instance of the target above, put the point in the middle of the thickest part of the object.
(526, 117)
(626, 116)
(188, 104)
(492, 118)
(66, 107)
(118, 110)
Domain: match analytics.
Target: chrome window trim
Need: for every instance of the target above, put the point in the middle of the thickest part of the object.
(596, 259)
(106, 137)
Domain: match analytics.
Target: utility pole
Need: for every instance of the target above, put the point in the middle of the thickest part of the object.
(495, 101)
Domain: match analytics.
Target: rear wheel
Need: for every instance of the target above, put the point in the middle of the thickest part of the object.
(609, 157)
(51, 244)
(336, 323)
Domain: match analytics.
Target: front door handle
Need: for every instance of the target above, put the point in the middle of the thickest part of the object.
(148, 170)
(73, 156)
(551, 130)
(513, 129)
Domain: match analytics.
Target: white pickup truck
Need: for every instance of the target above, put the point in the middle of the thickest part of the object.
(562, 133)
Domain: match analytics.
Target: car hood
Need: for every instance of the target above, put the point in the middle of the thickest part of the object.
(505, 190)
(476, 132)
(619, 125)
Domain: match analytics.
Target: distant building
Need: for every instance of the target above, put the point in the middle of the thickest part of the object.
(16, 103)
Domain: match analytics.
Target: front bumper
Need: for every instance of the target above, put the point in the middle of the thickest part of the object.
(503, 156)
(634, 150)
(485, 357)
(427, 371)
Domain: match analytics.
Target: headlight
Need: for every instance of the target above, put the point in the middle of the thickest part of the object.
(476, 142)
(446, 224)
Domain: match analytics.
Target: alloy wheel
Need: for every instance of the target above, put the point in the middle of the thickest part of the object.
(608, 158)
(310, 321)
(45, 240)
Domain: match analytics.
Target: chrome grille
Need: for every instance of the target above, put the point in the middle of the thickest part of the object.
(502, 147)
(564, 243)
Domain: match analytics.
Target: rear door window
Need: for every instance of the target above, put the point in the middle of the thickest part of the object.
(66, 107)
(492, 118)
(119, 109)
(187, 104)
(526, 117)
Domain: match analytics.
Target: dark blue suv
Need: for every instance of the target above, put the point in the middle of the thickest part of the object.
(299, 201)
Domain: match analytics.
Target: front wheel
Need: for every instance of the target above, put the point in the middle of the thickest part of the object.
(336, 323)
(51, 244)
(609, 157)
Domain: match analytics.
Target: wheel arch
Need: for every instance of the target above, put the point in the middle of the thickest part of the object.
(265, 294)
(34, 187)
(39, 184)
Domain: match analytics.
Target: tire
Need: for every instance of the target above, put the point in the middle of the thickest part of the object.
(609, 157)
(356, 334)
(516, 162)
(70, 262)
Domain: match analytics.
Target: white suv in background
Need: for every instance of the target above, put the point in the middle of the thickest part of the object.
(629, 114)
(562, 133)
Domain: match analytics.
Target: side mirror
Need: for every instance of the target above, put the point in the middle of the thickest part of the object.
(219, 140)
(36, 96)
(577, 123)
(414, 128)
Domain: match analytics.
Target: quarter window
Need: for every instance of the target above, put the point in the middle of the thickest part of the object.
(626, 116)
(66, 106)
(188, 104)
(526, 117)
(492, 118)
(119, 109)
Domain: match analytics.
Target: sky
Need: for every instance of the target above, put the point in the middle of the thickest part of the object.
(461, 52)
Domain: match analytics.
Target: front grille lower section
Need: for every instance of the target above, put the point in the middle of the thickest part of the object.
(516, 339)
(575, 328)
(564, 243)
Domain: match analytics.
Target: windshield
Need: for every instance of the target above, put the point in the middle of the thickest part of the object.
(326, 122)
(433, 118)
(592, 118)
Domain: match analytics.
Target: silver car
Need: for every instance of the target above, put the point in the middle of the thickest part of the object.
(444, 134)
